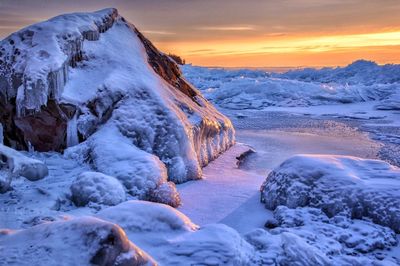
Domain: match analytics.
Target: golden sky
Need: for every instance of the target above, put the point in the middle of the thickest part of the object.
(245, 33)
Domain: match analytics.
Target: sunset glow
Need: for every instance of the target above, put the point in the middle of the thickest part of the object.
(246, 33)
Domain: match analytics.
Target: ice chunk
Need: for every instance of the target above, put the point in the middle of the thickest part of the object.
(357, 188)
(92, 187)
(87, 240)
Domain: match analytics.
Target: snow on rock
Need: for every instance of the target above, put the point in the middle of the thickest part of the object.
(93, 187)
(89, 241)
(79, 85)
(338, 185)
(18, 164)
(143, 216)
(255, 89)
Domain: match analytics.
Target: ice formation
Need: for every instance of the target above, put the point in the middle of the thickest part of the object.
(360, 81)
(338, 185)
(89, 241)
(72, 84)
(93, 187)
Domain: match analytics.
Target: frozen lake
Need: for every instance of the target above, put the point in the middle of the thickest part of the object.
(231, 195)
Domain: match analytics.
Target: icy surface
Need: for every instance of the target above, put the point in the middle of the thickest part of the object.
(338, 185)
(81, 241)
(246, 89)
(93, 187)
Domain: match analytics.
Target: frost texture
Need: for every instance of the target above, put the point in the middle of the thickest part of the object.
(338, 185)
(88, 241)
(92, 187)
(306, 236)
(360, 81)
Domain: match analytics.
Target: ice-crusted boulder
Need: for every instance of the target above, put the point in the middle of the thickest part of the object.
(338, 185)
(64, 80)
(93, 187)
(14, 164)
(89, 241)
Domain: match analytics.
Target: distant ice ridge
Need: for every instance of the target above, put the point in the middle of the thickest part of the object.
(360, 81)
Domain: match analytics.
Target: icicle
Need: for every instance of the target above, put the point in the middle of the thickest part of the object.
(1, 134)
(72, 131)
(30, 147)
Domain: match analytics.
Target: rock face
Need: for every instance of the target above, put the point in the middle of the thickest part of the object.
(64, 79)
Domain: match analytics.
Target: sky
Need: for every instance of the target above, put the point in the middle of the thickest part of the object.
(244, 33)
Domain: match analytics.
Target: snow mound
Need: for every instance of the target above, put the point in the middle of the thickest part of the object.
(89, 241)
(338, 185)
(255, 89)
(215, 244)
(143, 216)
(92, 187)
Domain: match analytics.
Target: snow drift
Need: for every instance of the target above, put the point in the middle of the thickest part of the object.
(77, 77)
(338, 185)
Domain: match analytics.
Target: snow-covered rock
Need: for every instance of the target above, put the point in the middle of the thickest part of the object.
(80, 241)
(77, 77)
(338, 185)
(93, 187)
(143, 216)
